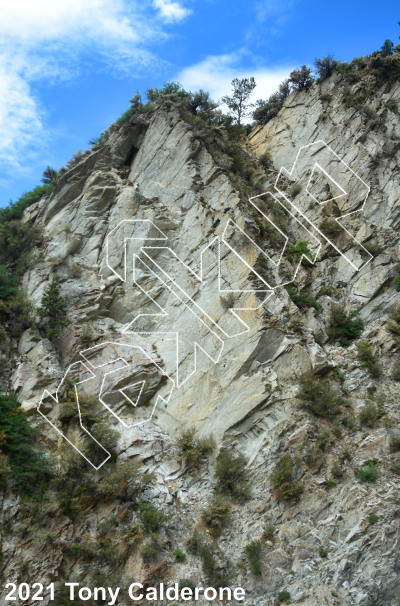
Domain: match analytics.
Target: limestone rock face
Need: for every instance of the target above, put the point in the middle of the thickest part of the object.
(150, 239)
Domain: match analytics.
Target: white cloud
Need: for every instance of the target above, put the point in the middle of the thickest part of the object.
(171, 11)
(50, 40)
(20, 118)
(215, 74)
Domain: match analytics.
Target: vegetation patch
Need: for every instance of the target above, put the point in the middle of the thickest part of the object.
(253, 552)
(303, 299)
(366, 355)
(193, 449)
(282, 479)
(217, 514)
(231, 473)
(319, 396)
(368, 473)
(344, 327)
(151, 517)
(29, 468)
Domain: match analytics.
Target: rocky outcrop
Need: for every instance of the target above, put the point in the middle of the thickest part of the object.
(154, 185)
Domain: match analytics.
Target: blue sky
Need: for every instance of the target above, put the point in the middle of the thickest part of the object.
(68, 68)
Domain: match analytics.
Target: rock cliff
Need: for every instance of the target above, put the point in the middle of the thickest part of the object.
(155, 243)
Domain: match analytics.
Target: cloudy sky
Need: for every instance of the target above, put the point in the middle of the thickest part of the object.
(69, 67)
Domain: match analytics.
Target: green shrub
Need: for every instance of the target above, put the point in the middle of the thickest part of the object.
(16, 209)
(369, 415)
(282, 471)
(396, 282)
(269, 533)
(368, 473)
(84, 549)
(368, 358)
(396, 372)
(346, 455)
(291, 491)
(8, 284)
(303, 299)
(282, 479)
(134, 534)
(16, 238)
(193, 449)
(151, 517)
(284, 596)
(349, 421)
(108, 553)
(373, 518)
(216, 515)
(30, 469)
(208, 561)
(173, 88)
(323, 553)
(118, 480)
(124, 119)
(330, 483)
(180, 556)
(300, 249)
(266, 160)
(231, 473)
(195, 542)
(295, 190)
(21, 313)
(197, 546)
(253, 552)
(344, 327)
(318, 396)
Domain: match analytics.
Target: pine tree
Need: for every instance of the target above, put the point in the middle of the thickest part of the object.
(53, 310)
(49, 176)
(29, 468)
(387, 48)
(238, 103)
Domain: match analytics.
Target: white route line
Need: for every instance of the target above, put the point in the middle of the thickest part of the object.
(284, 171)
(164, 398)
(167, 280)
(85, 365)
(128, 329)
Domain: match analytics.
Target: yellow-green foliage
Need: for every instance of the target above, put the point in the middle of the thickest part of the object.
(192, 448)
(282, 479)
(366, 355)
(231, 473)
(217, 514)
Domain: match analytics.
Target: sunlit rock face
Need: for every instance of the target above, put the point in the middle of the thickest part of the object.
(179, 320)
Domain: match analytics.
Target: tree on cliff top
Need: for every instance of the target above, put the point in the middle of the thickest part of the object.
(238, 103)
